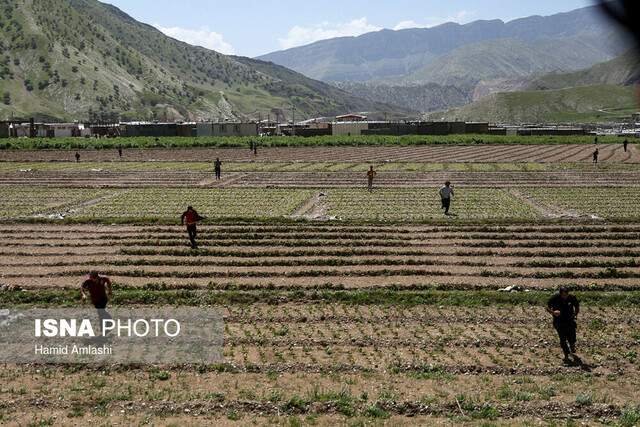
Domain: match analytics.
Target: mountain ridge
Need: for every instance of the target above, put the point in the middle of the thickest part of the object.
(386, 52)
(86, 60)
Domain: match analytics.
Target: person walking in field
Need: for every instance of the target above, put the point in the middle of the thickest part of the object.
(77, 157)
(191, 217)
(120, 151)
(97, 286)
(217, 165)
(446, 192)
(624, 145)
(595, 156)
(565, 309)
(370, 175)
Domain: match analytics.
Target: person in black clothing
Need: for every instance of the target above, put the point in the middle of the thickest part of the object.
(565, 309)
(217, 166)
(251, 145)
(624, 145)
(595, 156)
(77, 156)
(120, 150)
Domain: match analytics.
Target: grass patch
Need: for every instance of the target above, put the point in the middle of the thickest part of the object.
(384, 297)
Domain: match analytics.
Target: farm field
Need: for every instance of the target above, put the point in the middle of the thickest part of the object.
(557, 153)
(340, 306)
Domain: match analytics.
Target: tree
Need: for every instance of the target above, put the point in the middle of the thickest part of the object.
(6, 98)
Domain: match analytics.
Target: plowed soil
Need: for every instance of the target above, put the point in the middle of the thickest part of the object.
(326, 322)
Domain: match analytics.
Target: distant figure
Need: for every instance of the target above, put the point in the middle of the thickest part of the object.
(255, 148)
(370, 175)
(120, 150)
(77, 156)
(565, 309)
(217, 166)
(595, 156)
(445, 195)
(192, 217)
(95, 284)
(624, 145)
(596, 140)
(157, 139)
(251, 145)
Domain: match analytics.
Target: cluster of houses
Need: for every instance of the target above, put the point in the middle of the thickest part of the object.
(347, 125)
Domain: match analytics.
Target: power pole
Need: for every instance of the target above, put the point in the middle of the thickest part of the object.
(293, 121)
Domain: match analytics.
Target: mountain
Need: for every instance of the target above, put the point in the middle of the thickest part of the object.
(508, 58)
(387, 53)
(82, 59)
(580, 104)
(602, 92)
(623, 71)
(420, 97)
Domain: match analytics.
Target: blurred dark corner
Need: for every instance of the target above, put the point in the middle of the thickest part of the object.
(627, 14)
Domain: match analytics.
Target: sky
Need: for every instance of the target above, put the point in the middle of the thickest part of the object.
(256, 27)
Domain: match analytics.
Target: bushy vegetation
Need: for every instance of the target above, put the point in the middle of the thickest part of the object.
(293, 141)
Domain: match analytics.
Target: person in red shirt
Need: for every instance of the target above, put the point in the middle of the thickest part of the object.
(191, 217)
(97, 286)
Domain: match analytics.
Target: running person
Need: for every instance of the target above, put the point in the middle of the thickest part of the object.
(191, 217)
(97, 286)
(565, 309)
(445, 195)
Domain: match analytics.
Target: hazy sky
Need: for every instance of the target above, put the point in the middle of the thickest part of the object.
(256, 27)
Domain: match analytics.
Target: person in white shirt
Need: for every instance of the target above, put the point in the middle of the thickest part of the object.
(445, 194)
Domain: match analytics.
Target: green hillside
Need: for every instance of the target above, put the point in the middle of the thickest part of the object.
(583, 104)
(82, 59)
(425, 97)
(623, 70)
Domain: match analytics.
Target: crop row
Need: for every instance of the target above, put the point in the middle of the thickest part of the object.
(211, 203)
(262, 166)
(396, 204)
(358, 204)
(348, 243)
(459, 230)
(30, 201)
(291, 261)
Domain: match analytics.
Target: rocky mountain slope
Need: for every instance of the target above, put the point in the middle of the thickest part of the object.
(580, 37)
(82, 59)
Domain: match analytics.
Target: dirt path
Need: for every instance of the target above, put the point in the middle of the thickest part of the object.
(229, 178)
(312, 208)
(544, 210)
